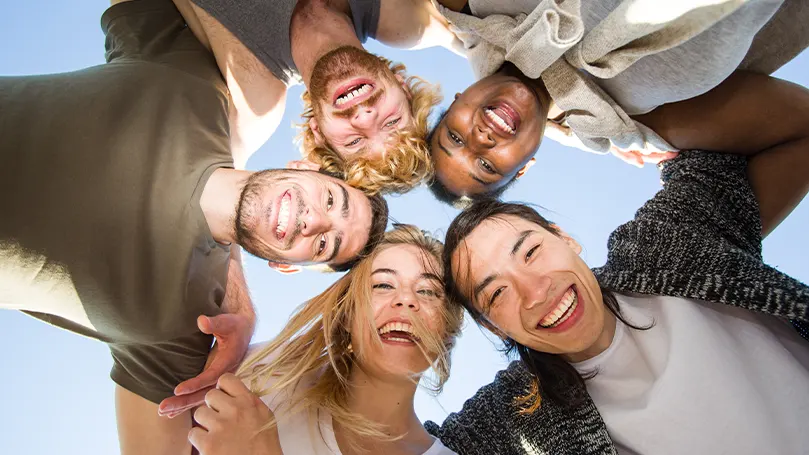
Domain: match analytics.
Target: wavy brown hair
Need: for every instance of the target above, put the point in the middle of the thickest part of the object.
(406, 161)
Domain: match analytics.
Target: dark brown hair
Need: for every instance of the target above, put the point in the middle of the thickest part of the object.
(554, 377)
(379, 222)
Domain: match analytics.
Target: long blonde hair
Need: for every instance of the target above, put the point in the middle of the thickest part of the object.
(317, 338)
(406, 161)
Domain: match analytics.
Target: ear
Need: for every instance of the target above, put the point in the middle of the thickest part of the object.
(286, 269)
(525, 168)
(571, 242)
(303, 165)
(319, 140)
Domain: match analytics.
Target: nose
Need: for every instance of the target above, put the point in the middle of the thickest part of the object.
(405, 298)
(314, 222)
(535, 291)
(364, 118)
(482, 137)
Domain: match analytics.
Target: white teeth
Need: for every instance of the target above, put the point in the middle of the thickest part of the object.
(562, 311)
(498, 120)
(404, 327)
(283, 216)
(363, 89)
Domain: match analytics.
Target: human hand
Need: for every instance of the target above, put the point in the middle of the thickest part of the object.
(638, 158)
(231, 422)
(233, 333)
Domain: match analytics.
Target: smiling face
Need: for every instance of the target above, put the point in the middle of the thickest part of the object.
(302, 217)
(532, 286)
(357, 101)
(406, 299)
(489, 133)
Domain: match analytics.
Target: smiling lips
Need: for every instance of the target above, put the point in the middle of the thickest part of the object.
(398, 332)
(352, 93)
(564, 309)
(283, 216)
(503, 117)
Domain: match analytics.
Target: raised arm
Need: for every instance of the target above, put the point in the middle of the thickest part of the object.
(141, 430)
(258, 97)
(415, 24)
(754, 115)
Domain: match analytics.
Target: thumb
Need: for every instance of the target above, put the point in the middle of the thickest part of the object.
(217, 325)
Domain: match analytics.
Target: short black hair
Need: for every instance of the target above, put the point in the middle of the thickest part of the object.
(443, 194)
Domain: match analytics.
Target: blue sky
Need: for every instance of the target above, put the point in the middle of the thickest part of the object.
(55, 385)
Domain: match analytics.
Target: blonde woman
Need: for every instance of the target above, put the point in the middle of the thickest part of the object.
(341, 377)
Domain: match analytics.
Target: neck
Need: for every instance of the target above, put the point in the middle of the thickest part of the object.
(602, 342)
(316, 28)
(219, 201)
(387, 401)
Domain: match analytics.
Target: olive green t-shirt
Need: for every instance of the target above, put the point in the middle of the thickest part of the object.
(102, 171)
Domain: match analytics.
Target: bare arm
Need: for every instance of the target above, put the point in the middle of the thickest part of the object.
(748, 114)
(258, 97)
(415, 24)
(141, 430)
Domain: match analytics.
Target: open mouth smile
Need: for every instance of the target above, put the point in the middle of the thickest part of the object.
(284, 216)
(353, 93)
(398, 333)
(502, 118)
(565, 313)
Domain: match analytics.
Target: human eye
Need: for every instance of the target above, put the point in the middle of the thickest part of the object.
(382, 286)
(497, 293)
(486, 166)
(354, 142)
(454, 138)
(329, 200)
(393, 122)
(530, 253)
(428, 292)
(321, 246)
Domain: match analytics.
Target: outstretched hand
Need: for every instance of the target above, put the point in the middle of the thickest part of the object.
(639, 158)
(232, 333)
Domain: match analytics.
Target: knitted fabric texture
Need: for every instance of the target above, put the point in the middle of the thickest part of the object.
(698, 238)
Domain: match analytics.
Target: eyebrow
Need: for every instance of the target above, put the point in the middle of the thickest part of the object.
(425, 275)
(523, 235)
(479, 288)
(345, 201)
(338, 240)
(440, 145)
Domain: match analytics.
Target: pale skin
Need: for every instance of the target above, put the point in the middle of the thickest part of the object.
(317, 27)
(382, 390)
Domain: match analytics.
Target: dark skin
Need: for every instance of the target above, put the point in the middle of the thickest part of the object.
(471, 152)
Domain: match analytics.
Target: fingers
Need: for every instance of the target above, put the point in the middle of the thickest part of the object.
(219, 401)
(205, 380)
(232, 385)
(206, 417)
(174, 406)
(197, 437)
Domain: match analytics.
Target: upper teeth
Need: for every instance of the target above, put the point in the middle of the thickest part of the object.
(562, 311)
(498, 120)
(362, 89)
(283, 216)
(405, 327)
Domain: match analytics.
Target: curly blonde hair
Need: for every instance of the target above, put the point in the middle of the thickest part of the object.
(406, 161)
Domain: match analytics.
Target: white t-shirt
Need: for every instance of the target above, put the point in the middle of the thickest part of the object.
(310, 432)
(706, 379)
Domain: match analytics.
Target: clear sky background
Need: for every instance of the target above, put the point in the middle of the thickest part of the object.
(54, 385)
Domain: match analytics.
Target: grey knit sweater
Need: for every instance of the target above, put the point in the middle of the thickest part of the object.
(698, 238)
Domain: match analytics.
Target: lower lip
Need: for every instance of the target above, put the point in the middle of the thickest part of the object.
(343, 89)
(397, 343)
(570, 321)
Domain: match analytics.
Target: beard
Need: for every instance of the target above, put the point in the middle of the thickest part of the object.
(340, 64)
(250, 211)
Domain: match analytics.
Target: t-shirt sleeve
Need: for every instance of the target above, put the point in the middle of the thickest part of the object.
(153, 370)
(155, 31)
(365, 14)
